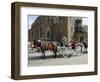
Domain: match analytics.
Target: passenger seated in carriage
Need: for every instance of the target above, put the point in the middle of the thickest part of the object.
(73, 45)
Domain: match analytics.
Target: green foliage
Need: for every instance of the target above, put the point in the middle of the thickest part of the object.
(75, 35)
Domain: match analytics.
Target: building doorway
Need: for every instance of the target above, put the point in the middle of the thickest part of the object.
(81, 39)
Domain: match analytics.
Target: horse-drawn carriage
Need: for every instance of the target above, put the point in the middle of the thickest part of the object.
(65, 50)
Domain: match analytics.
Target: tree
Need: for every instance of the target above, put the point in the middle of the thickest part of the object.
(75, 36)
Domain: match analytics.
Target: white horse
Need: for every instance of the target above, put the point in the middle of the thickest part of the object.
(68, 51)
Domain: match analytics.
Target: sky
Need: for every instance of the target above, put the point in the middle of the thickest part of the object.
(32, 18)
(85, 21)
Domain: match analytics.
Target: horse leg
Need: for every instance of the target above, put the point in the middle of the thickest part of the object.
(55, 54)
(43, 54)
(85, 50)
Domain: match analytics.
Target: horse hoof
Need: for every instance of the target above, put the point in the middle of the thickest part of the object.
(55, 57)
(43, 58)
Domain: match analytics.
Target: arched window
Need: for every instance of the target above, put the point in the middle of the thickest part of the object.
(48, 34)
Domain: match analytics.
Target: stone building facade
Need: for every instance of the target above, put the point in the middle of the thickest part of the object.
(81, 31)
(54, 28)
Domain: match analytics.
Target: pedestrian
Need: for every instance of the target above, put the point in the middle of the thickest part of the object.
(85, 46)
